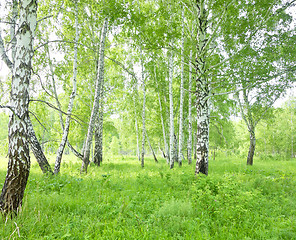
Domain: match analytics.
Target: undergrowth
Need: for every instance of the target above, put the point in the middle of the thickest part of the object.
(120, 200)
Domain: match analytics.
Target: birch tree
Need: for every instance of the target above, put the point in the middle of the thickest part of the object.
(167, 154)
(181, 93)
(143, 111)
(172, 129)
(98, 151)
(96, 102)
(189, 146)
(19, 158)
(34, 143)
(202, 91)
(72, 97)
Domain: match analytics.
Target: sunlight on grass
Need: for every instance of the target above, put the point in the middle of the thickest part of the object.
(120, 200)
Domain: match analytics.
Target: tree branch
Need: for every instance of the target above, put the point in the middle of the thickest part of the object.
(57, 109)
(63, 41)
(3, 54)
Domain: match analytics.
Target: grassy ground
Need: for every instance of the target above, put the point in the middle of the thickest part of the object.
(120, 200)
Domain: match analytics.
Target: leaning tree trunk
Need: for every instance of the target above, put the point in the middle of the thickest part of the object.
(55, 94)
(202, 94)
(19, 158)
(96, 102)
(153, 153)
(37, 150)
(98, 152)
(252, 147)
(180, 148)
(71, 102)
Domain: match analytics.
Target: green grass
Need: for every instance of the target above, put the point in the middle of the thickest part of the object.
(120, 200)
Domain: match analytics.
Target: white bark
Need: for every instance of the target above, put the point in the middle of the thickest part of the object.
(162, 122)
(35, 146)
(153, 153)
(54, 90)
(98, 152)
(137, 130)
(189, 147)
(71, 102)
(143, 112)
(96, 102)
(171, 110)
(181, 95)
(202, 93)
(136, 124)
(19, 158)
(12, 28)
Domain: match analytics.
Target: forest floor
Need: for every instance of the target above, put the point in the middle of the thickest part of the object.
(120, 200)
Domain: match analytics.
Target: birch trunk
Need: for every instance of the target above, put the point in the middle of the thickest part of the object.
(71, 102)
(98, 152)
(96, 102)
(181, 95)
(136, 122)
(248, 118)
(37, 150)
(189, 147)
(12, 28)
(202, 148)
(153, 153)
(19, 158)
(166, 155)
(172, 130)
(137, 130)
(202, 94)
(252, 147)
(74, 151)
(34, 143)
(144, 111)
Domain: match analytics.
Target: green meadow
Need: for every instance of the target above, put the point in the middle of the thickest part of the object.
(120, 200)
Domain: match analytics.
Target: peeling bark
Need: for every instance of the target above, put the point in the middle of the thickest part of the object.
(37, 150)
(34, 143)
(202, 93)
(19, 158)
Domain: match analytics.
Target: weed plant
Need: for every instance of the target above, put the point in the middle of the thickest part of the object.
(121, 200)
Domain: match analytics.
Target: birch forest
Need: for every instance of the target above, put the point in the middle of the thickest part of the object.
(148, 119)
